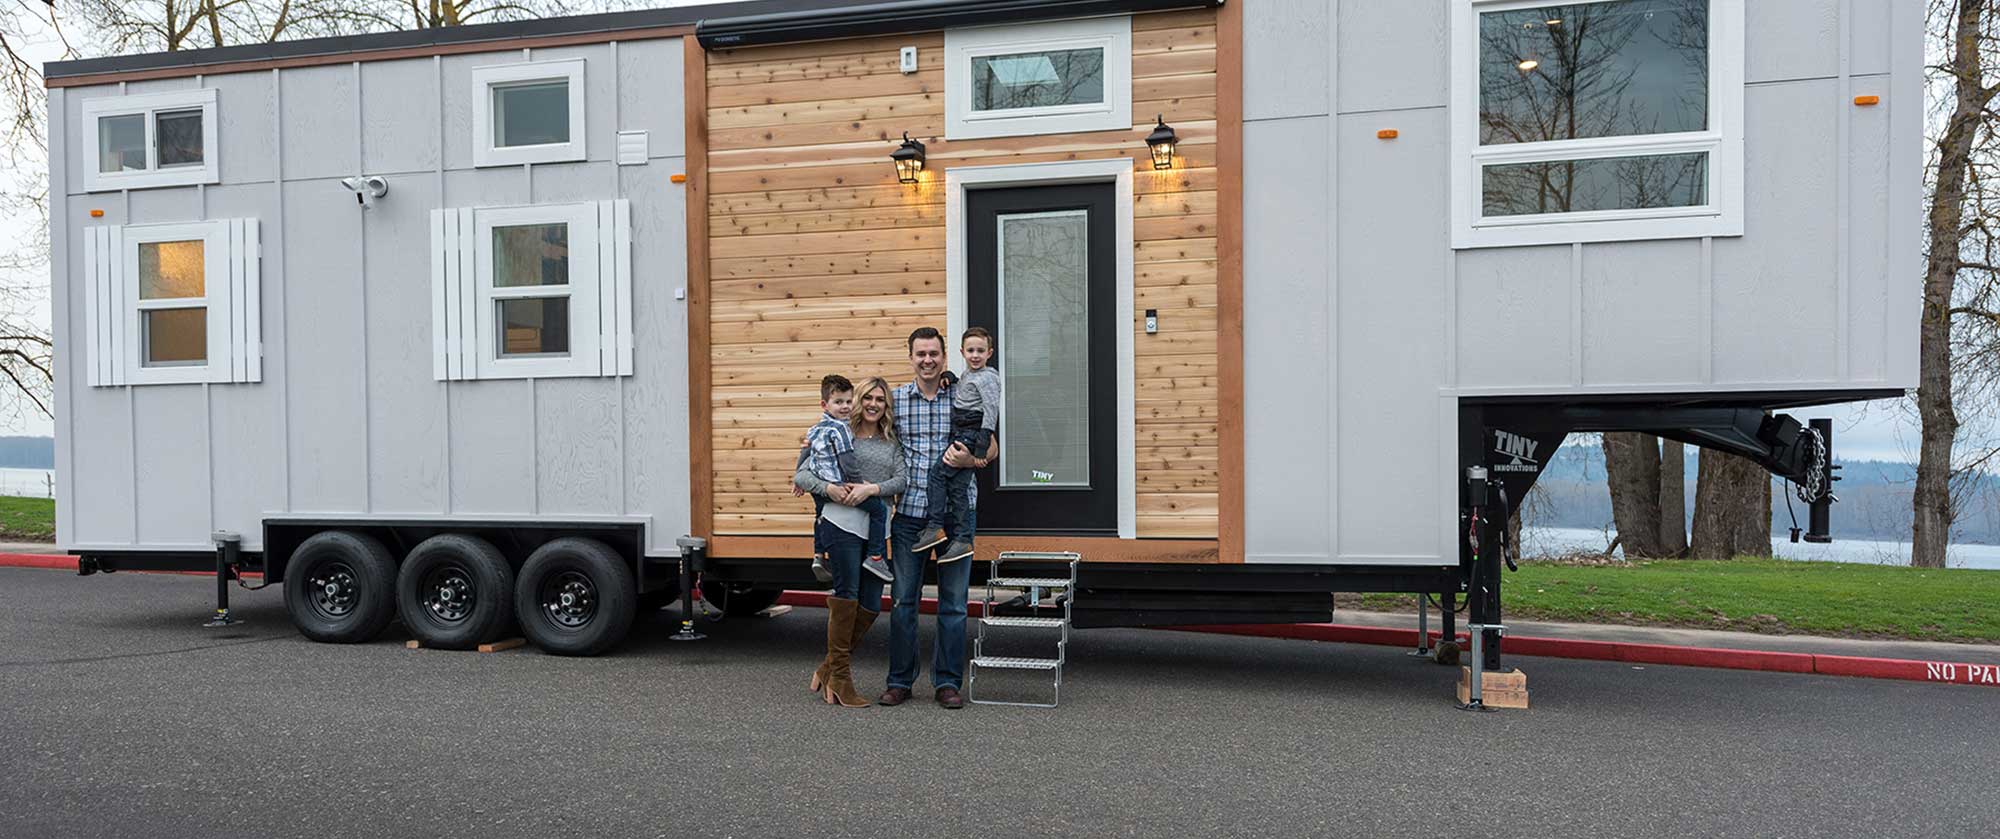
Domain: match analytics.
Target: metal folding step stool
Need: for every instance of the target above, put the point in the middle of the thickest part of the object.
(1034, 620)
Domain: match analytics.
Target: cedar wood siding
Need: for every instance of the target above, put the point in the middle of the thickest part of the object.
(820, 262)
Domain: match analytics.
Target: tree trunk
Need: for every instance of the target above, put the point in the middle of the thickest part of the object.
(1931, 500)
(1673, 498)
(1632, 469)
(1732, 508)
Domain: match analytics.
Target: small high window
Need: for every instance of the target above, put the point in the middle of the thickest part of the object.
(173, 303)
(157, 139)
(1043, 78)
(532, 292)
(1596, 120)
(528, 113)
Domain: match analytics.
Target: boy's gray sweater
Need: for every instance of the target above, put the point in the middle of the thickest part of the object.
(979, 390)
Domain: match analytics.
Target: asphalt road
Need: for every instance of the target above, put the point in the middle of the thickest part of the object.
(120, 717)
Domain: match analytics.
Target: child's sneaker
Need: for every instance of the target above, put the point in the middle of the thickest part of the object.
(820, 571)
(932, 537)
(879, 568)
(958, 550)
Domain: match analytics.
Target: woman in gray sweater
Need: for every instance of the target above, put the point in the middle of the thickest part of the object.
(857, 597)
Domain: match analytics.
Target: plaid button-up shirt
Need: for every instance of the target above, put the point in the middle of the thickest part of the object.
(924, 427)
(825, 443)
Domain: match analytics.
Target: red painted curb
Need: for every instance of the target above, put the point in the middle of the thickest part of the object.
(56, 561)
(1621, 651)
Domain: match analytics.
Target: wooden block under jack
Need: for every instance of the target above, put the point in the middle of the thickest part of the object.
(1496, 690)
(495, 647)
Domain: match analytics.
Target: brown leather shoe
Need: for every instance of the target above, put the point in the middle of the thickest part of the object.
(949, 698)
(893, 697)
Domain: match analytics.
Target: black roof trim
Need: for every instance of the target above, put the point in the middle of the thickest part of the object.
(608, 23)
(897, 16)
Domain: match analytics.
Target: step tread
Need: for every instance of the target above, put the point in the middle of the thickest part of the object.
(1001, 620)
(1026, 582)
(1014, 663)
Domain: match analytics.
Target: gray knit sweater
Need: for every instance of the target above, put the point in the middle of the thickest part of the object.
(877, 461)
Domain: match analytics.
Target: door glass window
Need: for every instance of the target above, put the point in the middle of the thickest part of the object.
(1045, 360)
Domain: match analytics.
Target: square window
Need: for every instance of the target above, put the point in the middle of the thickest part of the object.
(531, 255)
(151, 140)
(534, 326)
(174, 337)
(528, 113)
(1038, 78)
(532, 114)
(169, 270)
(1596, 120)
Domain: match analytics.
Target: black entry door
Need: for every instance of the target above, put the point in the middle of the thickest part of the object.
(1040, 275)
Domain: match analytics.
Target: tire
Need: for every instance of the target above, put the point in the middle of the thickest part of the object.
(455, 592)
(739, 600)
(659, 598)
(340, 587)
(575, 596)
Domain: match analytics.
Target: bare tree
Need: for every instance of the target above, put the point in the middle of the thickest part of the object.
(1632, 469)
(1673, 498)
(1959, 334)
(1732, 508)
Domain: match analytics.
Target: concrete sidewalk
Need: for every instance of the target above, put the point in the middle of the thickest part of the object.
(39, 548)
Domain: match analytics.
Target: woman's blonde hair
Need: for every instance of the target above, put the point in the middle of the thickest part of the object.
(855, 421)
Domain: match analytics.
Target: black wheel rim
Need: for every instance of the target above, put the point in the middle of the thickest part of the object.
(333, 590)
(569, 599)
(448, 594)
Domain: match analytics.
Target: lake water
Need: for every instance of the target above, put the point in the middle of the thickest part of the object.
(1555, 540)
(28, 483)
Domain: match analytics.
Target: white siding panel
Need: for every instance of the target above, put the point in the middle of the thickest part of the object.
(458, 98)
(164, 204)
(246, 428)
(1287, 342)
(399, 118)
(243, 113)
(1786, 260)
(172, 466)
(1514, 312)
(1872, 283)
(1641, 308)
(102, 466)
(577, 446)
(1869, 32)
(323, 287)
(1392, 56)
(1791, 39)
(651, 95)
(405, 415)
(492, 447)
(600, 141)
(1285, 62)
(1391, 338)
(320, 139)
(656, 407)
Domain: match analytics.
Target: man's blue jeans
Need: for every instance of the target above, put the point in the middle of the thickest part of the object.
(954, 580)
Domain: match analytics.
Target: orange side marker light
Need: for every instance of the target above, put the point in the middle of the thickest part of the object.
(97, 214)
(679, 179)
(1386, 134)
(1865, 101)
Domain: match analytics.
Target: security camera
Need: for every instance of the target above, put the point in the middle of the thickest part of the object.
(366, 188)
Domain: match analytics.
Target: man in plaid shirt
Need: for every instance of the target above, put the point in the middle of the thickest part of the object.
(923, 424)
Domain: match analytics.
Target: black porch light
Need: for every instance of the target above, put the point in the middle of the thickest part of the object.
(909, 158)
(1161, 143)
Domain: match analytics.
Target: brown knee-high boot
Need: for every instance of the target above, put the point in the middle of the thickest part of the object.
(839, 653)
(863, 619)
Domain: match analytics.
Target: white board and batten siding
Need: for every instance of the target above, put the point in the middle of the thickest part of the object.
(350, 416)
(1364, 327)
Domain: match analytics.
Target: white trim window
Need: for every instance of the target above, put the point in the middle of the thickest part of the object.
(155, 139)
(173, 303)
(527, 113)
(532, 292)
(1596, 120)
(1042, 78)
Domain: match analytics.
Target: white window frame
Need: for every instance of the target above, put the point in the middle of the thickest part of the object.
(961, 46)
(486, 152)
(231, 269)
(1723, 142)
(581, 221)
(151, 105)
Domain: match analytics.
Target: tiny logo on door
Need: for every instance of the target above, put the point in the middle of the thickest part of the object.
(1040, 476)
(1519, 450)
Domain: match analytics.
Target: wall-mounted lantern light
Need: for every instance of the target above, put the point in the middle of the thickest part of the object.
(1161, 144)
(909, 158)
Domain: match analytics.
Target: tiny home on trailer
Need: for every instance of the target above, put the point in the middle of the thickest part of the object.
(1291, 296)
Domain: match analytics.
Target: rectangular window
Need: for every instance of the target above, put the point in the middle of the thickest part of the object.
(156, 139)
(1042, 78)
(1596, 121)
(528, 113)
(532, 292)
(173, 303)
(1045, 384)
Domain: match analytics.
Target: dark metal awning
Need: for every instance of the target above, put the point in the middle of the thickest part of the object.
(898, 16)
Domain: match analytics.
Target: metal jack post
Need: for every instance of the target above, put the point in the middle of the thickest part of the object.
(228, 553)
(1423, 625)
(691, 547)
(1474, 699)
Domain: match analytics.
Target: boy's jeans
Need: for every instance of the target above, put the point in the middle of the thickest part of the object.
(878, 525)
(950, 501)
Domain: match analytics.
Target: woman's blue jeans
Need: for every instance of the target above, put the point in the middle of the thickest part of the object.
(843, 558)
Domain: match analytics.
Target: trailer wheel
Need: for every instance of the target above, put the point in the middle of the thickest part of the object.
(455, 592)
(739, 600)
(340, 587)
(575, 597)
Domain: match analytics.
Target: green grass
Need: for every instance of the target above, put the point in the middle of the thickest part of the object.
(27, 519)
(1757, 595)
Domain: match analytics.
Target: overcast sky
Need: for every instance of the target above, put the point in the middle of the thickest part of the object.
(1864, 431)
